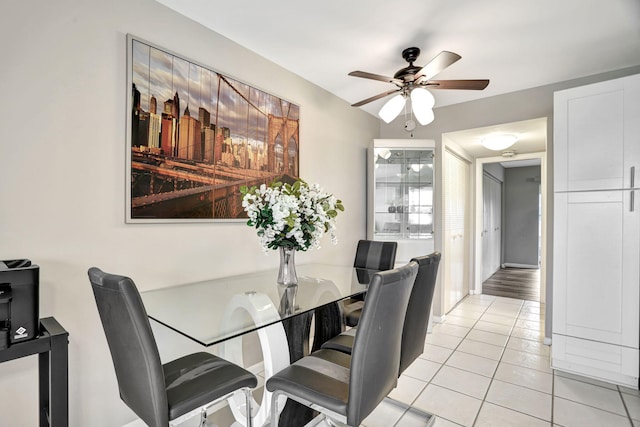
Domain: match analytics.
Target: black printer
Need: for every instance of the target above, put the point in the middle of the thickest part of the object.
(19, 301)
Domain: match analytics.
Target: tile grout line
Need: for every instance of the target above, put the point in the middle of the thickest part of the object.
(509, 336)
(486, 393)
(500, 361)
(445, 361)
(537, 354)
(617, 389)
(624, 404)
(483, 400)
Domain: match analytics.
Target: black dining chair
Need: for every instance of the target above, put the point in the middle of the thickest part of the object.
(347, 388)
(375, 255)
(416, 320)
(372, 255)
(158, 393)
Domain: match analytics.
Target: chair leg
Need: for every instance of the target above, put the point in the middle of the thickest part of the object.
(274, 409)
(248, 408)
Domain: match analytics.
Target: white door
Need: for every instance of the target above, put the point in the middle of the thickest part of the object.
(455, 242)
(492, 230)
(596, 268)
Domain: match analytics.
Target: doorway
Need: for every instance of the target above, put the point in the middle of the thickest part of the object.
(511, 229)
(536, 243)
(467, 144)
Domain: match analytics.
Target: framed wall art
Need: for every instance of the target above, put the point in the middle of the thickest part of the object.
(195, 136)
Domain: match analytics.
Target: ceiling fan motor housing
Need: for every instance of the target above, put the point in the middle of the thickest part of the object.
(410, 54)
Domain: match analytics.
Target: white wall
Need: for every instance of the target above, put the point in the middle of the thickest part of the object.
(62, 177)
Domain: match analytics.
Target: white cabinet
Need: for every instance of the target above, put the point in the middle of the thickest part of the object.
(400, 195)
(597, 135)
(596, 277)
(597, 253)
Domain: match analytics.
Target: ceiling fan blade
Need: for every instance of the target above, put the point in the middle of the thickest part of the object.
(373, 98)
(478, 84)
(378, 77)
(437, 64)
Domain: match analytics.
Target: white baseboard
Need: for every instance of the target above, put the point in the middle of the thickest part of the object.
(515, 265)
(439, 319)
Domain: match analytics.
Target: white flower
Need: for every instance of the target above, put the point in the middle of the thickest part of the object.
(293, 216)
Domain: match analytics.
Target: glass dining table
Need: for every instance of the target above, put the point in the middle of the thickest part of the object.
(215, 311)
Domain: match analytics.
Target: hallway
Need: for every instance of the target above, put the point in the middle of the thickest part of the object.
(519, 283)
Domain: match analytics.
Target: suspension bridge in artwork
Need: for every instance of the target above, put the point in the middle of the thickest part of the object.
(191, 166)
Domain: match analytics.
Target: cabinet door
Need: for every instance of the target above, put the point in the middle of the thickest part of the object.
(418, 196)
(596, 277)
(402, 193)
(597, 135)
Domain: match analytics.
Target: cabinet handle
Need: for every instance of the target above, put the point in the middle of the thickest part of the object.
(632, 183)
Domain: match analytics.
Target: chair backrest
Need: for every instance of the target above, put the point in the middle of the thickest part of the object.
(375, 255)
(418, 309)
(375, 356)
(133, 347)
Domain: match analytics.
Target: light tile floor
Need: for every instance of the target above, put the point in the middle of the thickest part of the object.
(487, 366)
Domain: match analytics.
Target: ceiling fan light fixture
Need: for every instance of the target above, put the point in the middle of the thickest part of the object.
(422, 96)
(410, 81)
(392, 108)
(424, 114)
(499, 142)
(422, 102)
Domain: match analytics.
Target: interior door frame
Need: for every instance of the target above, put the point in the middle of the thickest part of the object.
(478, 217)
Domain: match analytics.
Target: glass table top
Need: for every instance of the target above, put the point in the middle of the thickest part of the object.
(212, 311)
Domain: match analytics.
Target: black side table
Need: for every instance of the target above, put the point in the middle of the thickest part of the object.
(51, 345)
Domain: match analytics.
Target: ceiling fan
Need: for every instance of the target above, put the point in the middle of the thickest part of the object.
(413, 81)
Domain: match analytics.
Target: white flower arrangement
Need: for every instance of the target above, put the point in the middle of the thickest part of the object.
(292, 216)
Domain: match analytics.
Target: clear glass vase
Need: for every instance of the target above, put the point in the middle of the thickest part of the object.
(287, 273)
(287, 294)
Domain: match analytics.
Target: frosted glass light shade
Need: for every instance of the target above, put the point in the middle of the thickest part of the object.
(392, 108)
(422, 97)
(423, 114)
(499, 142)
(422, 102)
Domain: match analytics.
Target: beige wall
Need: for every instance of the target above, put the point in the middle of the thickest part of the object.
(62, 177)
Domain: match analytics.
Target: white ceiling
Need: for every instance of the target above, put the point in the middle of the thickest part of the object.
(516, 44)
(532, 137)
